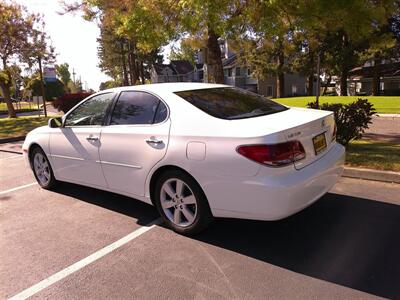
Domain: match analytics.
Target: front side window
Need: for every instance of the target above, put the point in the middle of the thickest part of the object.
(231, 103)
(91, 112)
(134, 107)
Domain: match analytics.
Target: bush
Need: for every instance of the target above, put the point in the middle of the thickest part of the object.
(351, 119)
(68, 101)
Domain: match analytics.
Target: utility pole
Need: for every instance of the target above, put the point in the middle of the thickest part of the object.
(42, 86)
(318, 78)
(73, 75)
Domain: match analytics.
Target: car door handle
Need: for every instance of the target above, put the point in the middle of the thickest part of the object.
(153, 141)
(92, 138)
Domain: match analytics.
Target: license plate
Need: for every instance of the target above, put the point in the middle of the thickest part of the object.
(319, 142)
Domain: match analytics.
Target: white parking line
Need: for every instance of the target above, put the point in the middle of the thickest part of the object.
(29, 292)
(17, 188)
(11, 157)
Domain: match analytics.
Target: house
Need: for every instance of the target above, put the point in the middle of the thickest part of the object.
(175, 71)
(241, 76)
(234, 74)
(361, 79)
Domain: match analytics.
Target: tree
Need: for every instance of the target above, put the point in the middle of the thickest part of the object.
(264, 39)
(64, 74)
(16, 27)
(53, 89)
(186, 51)
(108, 85)
(343, 30)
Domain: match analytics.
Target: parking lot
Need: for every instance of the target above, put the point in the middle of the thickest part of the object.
(78, 242)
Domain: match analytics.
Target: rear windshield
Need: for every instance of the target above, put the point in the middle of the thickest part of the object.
(231, 103)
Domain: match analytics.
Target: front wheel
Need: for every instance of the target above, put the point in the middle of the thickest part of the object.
(42, 169)
(182, 203)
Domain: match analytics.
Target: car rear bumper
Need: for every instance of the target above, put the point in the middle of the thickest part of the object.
(276, 196)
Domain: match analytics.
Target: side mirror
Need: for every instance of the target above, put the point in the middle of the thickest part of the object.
(55, 122)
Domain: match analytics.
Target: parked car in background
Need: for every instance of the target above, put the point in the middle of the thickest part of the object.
(195, 151)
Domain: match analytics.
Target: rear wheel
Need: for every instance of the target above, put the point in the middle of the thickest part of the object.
(182, 203)
(42, 169)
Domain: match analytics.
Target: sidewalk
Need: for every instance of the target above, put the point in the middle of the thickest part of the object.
(384, 128)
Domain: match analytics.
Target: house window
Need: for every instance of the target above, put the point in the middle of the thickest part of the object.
(225, 72)
(230, 72)
(237, 72)
(269, 91)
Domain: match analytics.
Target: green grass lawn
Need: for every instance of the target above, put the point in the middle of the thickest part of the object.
(382, 104)
(20, 126)
(373, 155)
(20, 107)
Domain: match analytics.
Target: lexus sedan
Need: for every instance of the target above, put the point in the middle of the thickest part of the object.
(195, 151)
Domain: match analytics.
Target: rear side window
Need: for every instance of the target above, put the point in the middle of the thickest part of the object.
(231, 103)
(134, 107)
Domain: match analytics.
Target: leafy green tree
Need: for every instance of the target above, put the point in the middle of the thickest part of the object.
(53, 89)
(16, 32)
(63, 73)
(108, 85)
(186, 51)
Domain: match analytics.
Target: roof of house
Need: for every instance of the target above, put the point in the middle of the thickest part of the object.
(160, 67)
(230, 61)
(178, 67)
(385, 70)
(181, 66)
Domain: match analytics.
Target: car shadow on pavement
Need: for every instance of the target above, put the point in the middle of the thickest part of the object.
(142, 212)
(345, 240)
(349, 241)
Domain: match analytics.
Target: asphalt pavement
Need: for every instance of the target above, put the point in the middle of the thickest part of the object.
(77, 242)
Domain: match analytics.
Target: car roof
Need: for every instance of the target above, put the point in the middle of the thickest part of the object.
(168, 87)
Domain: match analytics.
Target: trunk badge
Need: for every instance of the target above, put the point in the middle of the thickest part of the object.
(294, 134)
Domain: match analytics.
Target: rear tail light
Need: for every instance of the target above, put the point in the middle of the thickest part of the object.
(274, 155)
(334, 133)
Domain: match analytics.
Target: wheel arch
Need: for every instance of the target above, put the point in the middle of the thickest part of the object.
(31, 147)
(162, 169)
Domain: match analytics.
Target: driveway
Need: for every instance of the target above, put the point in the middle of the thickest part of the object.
(78, 242)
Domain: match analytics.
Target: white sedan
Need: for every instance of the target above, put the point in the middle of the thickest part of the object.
(195, 151)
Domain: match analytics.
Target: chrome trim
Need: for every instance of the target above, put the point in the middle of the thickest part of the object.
(66, 157)
(118, 164)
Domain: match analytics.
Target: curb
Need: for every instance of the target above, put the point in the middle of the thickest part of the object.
(369, 174)
(12, 139)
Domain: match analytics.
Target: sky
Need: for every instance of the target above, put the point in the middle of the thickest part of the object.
(74, 40)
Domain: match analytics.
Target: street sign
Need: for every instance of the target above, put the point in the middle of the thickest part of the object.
(49, 74)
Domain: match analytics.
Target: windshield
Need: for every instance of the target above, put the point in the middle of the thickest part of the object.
(231, 103)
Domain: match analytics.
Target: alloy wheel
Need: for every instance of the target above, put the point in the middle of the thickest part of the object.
(42, 168)
(178, 202)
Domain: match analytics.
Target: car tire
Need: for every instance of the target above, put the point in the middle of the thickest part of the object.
(181, 203)
(42, 169)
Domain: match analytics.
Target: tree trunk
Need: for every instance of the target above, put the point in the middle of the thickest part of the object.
(326, 85)
(376, 77)
(280, 84)
(124, 70)
(142, 72)
(343, 81)
(132, 64)
(214, 62)
(310, 85)
(42, 86)
(5, 88)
